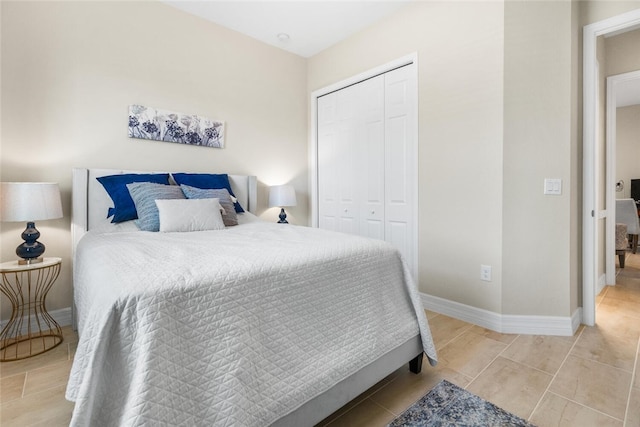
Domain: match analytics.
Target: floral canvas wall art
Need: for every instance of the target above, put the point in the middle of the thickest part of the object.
(162, 125)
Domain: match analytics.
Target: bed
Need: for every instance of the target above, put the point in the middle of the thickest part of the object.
(255, 324)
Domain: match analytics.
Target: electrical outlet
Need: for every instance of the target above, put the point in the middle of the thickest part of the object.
(485, 273)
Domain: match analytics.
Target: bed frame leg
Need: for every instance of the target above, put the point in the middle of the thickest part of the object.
(415, 364)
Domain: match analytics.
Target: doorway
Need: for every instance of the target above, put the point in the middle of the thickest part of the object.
(592, 171)
(622, 90)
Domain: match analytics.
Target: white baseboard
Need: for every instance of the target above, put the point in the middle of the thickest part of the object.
(504, 323)
(576, 319)
(602, 282)
(62, 316)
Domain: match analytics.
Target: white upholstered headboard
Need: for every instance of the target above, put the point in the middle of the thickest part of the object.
(90, 201)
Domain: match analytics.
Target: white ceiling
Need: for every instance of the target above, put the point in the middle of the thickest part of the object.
(312, 26)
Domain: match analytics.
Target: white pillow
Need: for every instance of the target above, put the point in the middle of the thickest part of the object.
(190, 214)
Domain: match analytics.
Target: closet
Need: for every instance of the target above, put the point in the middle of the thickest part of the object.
(366, 159)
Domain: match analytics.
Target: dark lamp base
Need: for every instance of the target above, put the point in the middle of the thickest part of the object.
(283, 217)
(30, 250)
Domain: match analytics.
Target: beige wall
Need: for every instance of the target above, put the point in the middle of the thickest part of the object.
(590, 12)
(615, 55)
(622, 52)
(460, 140)
(537, 145)
(598, 10)
(627, 147)
(70, 70)
(495, 100)
(500, 110)
(622, 56)
(500, 89)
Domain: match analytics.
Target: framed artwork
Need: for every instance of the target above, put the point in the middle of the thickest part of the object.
(162, 125)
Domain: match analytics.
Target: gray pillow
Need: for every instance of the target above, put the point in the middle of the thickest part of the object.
(229, 216)
(144, 195)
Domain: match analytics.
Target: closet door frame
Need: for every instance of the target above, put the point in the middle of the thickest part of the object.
(313, 158)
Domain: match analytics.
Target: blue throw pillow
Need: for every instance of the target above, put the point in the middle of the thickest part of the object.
(207, 181)
(116, 186)
(144, 195)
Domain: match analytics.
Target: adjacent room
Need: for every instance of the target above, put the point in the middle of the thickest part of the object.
(319, 212)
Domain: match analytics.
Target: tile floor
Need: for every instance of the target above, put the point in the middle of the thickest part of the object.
(590, 379)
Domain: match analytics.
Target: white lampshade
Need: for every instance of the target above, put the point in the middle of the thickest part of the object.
(29, 201)
(282, 195)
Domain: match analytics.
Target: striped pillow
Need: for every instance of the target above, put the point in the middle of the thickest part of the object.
(144, 195)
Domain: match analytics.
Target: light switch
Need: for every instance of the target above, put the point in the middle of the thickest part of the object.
(553, 186)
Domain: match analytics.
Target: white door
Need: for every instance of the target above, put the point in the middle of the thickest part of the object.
(347, 160)
(327, 157)
(371, 143)
(366, 160)
(337, 155)
(400, 160)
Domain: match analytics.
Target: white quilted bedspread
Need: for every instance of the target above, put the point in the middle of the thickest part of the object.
(233, 327)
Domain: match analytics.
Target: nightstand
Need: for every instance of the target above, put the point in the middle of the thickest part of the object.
(31, 330)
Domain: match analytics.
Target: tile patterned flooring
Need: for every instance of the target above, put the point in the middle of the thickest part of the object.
(590, 379)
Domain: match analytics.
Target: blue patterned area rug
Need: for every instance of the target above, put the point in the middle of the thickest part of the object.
(449, 405)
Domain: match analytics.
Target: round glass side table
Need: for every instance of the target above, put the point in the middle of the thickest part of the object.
(31, 330)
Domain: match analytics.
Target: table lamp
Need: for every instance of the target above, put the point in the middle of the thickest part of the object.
(29, 201)
(282, 196)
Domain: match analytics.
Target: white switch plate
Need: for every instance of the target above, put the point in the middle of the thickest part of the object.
(553, 186)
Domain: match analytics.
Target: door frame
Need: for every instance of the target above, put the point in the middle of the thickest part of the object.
(611, 144)
(313, 149)
(590, 192)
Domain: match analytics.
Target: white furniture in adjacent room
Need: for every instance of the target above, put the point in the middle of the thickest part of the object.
(627, 213)
(366, 159)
